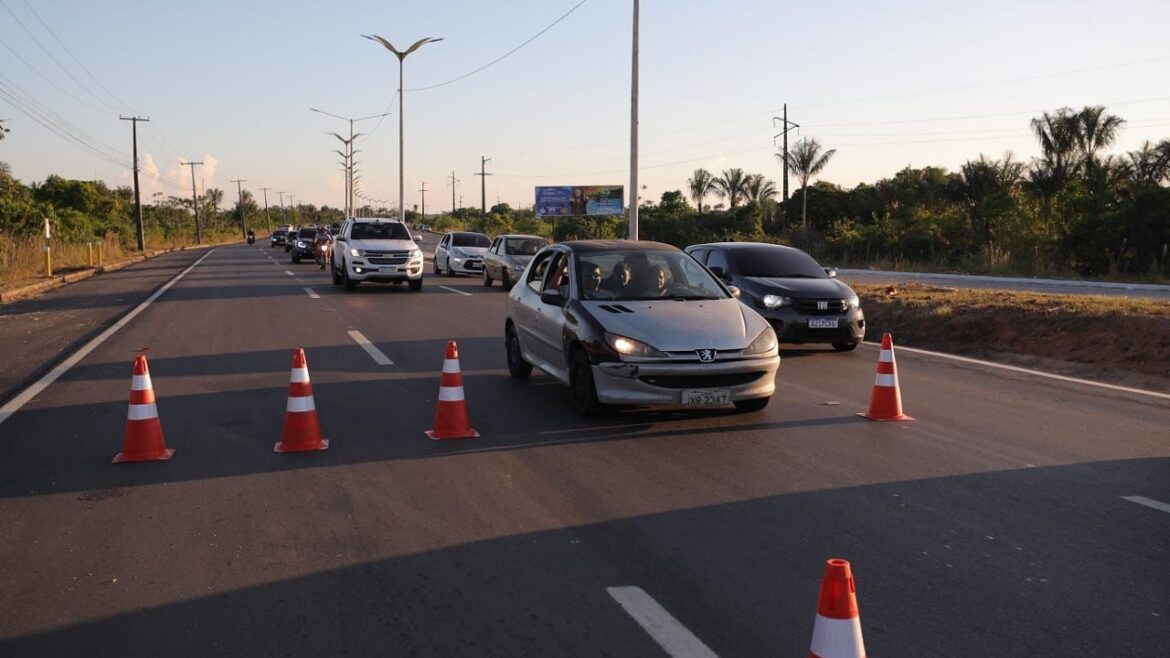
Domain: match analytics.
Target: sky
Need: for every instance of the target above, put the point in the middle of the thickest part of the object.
(230, 83)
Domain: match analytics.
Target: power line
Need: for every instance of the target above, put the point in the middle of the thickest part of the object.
(505, 55)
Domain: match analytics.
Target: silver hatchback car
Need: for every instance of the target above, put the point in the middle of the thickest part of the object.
(638, 323)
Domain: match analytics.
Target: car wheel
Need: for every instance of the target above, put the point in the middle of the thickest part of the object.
(844, 347)
(350, 284)
(435, 266)
(584, 390)
(505, 280)
(335, 274)
(450, 272)
(487, 279)
(296, 259)
(518, 368)
(748, 406)
(415, 285)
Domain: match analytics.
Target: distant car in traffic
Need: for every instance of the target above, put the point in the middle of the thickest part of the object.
(460, 252)
(280, 235)
(638, 323)
(303, 244)
(804, 302)
(509, 254)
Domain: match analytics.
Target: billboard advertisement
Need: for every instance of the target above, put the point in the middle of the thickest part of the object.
(565, 201)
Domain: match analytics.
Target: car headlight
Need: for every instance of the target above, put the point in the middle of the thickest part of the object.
(776, 301)
(357, 253)
(416, 253)
(631, 347)
(854, 301)
(458, 253)
(763, 344)
(300, 244)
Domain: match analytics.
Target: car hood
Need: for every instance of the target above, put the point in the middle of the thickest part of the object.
(516, 260)
(382, 245)
(471, 251)
(680, 326)
(796, 287)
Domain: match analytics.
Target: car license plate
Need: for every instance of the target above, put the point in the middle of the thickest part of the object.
(822, 323)
(706, 398)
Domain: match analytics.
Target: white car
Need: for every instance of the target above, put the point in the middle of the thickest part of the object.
(461, 252)
(377, 250)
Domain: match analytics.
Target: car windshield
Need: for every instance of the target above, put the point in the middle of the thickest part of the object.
(626, 275)
(307, 233)
(470, 240)
(776, 262)
(379, 231)
(524, 246)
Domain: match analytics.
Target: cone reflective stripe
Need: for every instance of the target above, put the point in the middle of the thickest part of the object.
(837, 630)
(301, 430)
(451, 420)
(885, 403)
(142, 440)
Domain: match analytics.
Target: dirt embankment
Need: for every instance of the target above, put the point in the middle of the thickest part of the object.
(1116, 340)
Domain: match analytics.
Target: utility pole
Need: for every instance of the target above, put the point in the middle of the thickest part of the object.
(283, 216)
(424, 202)
(194, 199)
(267, 219)
(482, 184)
(453, 181)
(137, 196)
(633, 234)
(240, 205)
(788, 125)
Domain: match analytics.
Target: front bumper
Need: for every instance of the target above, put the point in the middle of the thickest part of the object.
(794, 327)
(411, 270)
(472, 265)
(664, 383)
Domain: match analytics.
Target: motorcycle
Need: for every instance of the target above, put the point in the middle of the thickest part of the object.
(322, 253)
(251, 238)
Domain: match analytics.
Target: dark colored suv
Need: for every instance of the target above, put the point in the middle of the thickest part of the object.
(302, 246)
(803, 302)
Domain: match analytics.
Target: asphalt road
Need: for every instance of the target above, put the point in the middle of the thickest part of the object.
(995, 523)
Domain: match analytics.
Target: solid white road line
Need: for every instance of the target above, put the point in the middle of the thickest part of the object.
(458, 292)
(375, 354)
(1142, 500)
(27, 395)
(672, 636)
(1037, 373)
(312, 294)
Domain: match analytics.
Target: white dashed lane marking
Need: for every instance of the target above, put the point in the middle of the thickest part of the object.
(375, 354)
(1148, 502)
(457, 292)
(672, 636)
(312, 294)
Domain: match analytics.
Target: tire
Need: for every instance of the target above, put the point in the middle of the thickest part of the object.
(844, 347)
(435, 265)
(584, 389)
(505, 280)
(296, 259)
(350, 284)
(518, 368)
(487, 279)
(749, 406)
(415, 285)
(450, 272)
(335, 274)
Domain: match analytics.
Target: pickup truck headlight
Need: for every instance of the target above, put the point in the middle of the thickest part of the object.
(763, 344)
(357, 253)
(416, 253)
(631, 347)
(776, 301)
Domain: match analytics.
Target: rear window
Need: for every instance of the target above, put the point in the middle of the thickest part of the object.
(470, 240)
(307, 233)
(524, 246)
(776, 262)
(379, 231)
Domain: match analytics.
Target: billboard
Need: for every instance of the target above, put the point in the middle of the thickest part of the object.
(568, 200)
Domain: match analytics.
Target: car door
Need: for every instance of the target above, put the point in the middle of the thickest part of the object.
(527, 310)
(491, 261)
(441, 257)
(551, 324)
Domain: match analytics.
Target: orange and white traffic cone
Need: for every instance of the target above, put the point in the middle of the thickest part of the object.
(301, 431)
(143, 438)
(451, 410)
(885, 403)
(837, 631)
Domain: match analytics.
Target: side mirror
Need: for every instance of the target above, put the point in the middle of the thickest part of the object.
(718, 271)
(552, 298)
(734, 291)
(339, 239)
(832, 272)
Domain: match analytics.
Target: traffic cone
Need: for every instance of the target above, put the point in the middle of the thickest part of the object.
(143, 438)
(837, 631)
(301, 431)
(886, 401)
(451, 410)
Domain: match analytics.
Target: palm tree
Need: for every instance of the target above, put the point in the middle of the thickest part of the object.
(1095, 131)
(1058, 137)
(1147, 166)
(700, 184)
(759, 189)
(806, 160)
(732, 185)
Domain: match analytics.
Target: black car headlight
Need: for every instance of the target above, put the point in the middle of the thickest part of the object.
(853, 300)
(763, 344)
(631, 347)
(775, 301)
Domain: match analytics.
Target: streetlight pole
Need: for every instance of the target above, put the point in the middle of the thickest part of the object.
(349, 166)
(401, 54)
(634, 133)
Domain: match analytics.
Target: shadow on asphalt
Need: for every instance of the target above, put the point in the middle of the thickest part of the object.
(742, 576)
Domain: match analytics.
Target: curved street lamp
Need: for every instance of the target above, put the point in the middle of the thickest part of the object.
(401, 54)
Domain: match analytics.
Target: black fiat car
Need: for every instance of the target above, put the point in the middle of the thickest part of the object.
(804, 302)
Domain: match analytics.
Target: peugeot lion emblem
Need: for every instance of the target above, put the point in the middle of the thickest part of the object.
(706, 356)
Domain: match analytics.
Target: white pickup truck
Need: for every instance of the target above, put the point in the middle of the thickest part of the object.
(378, 250)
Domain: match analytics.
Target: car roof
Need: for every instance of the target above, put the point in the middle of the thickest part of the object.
(466, 233)
(520, 235)
(591, 246)
(733, 246)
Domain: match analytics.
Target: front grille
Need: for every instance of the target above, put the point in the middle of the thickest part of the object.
(387, 257)
(386, 261)
(812, 306)
(702, 381)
